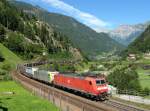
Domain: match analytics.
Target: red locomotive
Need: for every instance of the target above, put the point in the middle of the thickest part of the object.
(95, 87)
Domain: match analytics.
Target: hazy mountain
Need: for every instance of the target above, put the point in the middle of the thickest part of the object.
(125, 34)
(141, 44)
(83, 37)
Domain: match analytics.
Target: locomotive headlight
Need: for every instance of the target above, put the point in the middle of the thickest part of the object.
(101, 88)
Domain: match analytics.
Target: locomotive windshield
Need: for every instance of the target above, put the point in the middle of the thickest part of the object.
(99, 82)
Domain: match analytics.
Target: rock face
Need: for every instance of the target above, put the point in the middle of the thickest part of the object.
(125, 34)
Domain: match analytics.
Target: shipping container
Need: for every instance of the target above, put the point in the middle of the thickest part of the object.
(46, 76)
(31, 70)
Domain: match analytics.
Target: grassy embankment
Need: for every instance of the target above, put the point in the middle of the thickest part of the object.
(10, 57)
(22, 100)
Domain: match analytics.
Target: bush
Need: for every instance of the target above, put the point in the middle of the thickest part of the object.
(124, 79)
(56, 67)
(5, 75)
(1, 57)
(6, 67)
(2, 33)
(146, 91)
(64, 68)
(93, 67)
(2, 72)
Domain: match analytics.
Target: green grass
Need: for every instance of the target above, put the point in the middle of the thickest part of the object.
(144, 61)
(22, 100)
(144, 77)
(10, 57)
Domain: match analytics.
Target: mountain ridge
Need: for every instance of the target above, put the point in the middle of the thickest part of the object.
(125, 34)
(141, 44)
(89, 41)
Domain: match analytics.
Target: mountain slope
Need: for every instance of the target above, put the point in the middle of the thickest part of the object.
(141, 44)
(125, 34)
(89, 41)
(28, 37)
(9, 56)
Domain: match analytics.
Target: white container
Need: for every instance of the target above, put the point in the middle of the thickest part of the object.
(31, 70)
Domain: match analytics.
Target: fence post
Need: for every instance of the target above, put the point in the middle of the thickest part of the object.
(129, 97)
(82, 107)
(60, 101)
(53, 98)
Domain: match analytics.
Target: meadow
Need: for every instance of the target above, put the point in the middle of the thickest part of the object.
(144, 77)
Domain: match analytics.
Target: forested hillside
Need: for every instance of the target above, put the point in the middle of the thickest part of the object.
(83, 37)
(28, 37)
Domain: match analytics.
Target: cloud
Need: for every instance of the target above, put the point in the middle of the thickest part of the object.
(88, 19)
(84, 17)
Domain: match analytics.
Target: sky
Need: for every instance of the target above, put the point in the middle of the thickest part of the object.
(100, 15)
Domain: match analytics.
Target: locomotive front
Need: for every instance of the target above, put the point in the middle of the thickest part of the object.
(98, 87)
(101, 88)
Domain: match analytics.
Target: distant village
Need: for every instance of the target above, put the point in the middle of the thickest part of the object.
(132, 56)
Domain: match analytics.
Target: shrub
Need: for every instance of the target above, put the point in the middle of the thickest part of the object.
(124, 79)
(5, 75)
(6, 67)
(2, 33)
(2, 72)
(1, 57)
(146, 91)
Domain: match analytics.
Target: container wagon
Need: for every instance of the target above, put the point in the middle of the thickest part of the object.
(47, 76)
(31, 70)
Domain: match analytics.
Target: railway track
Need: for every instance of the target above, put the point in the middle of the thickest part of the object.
(122, 106)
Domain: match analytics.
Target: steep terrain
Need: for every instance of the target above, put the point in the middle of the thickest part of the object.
(8, 62)
(28, 37)
(141, 44)
(89, 41)
(8, 57)
(125, 34)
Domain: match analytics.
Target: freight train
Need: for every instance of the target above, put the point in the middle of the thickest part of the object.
(91, 86)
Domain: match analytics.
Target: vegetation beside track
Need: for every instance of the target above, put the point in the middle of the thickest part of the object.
(22, 100)
(8, 62)
(9, 57)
